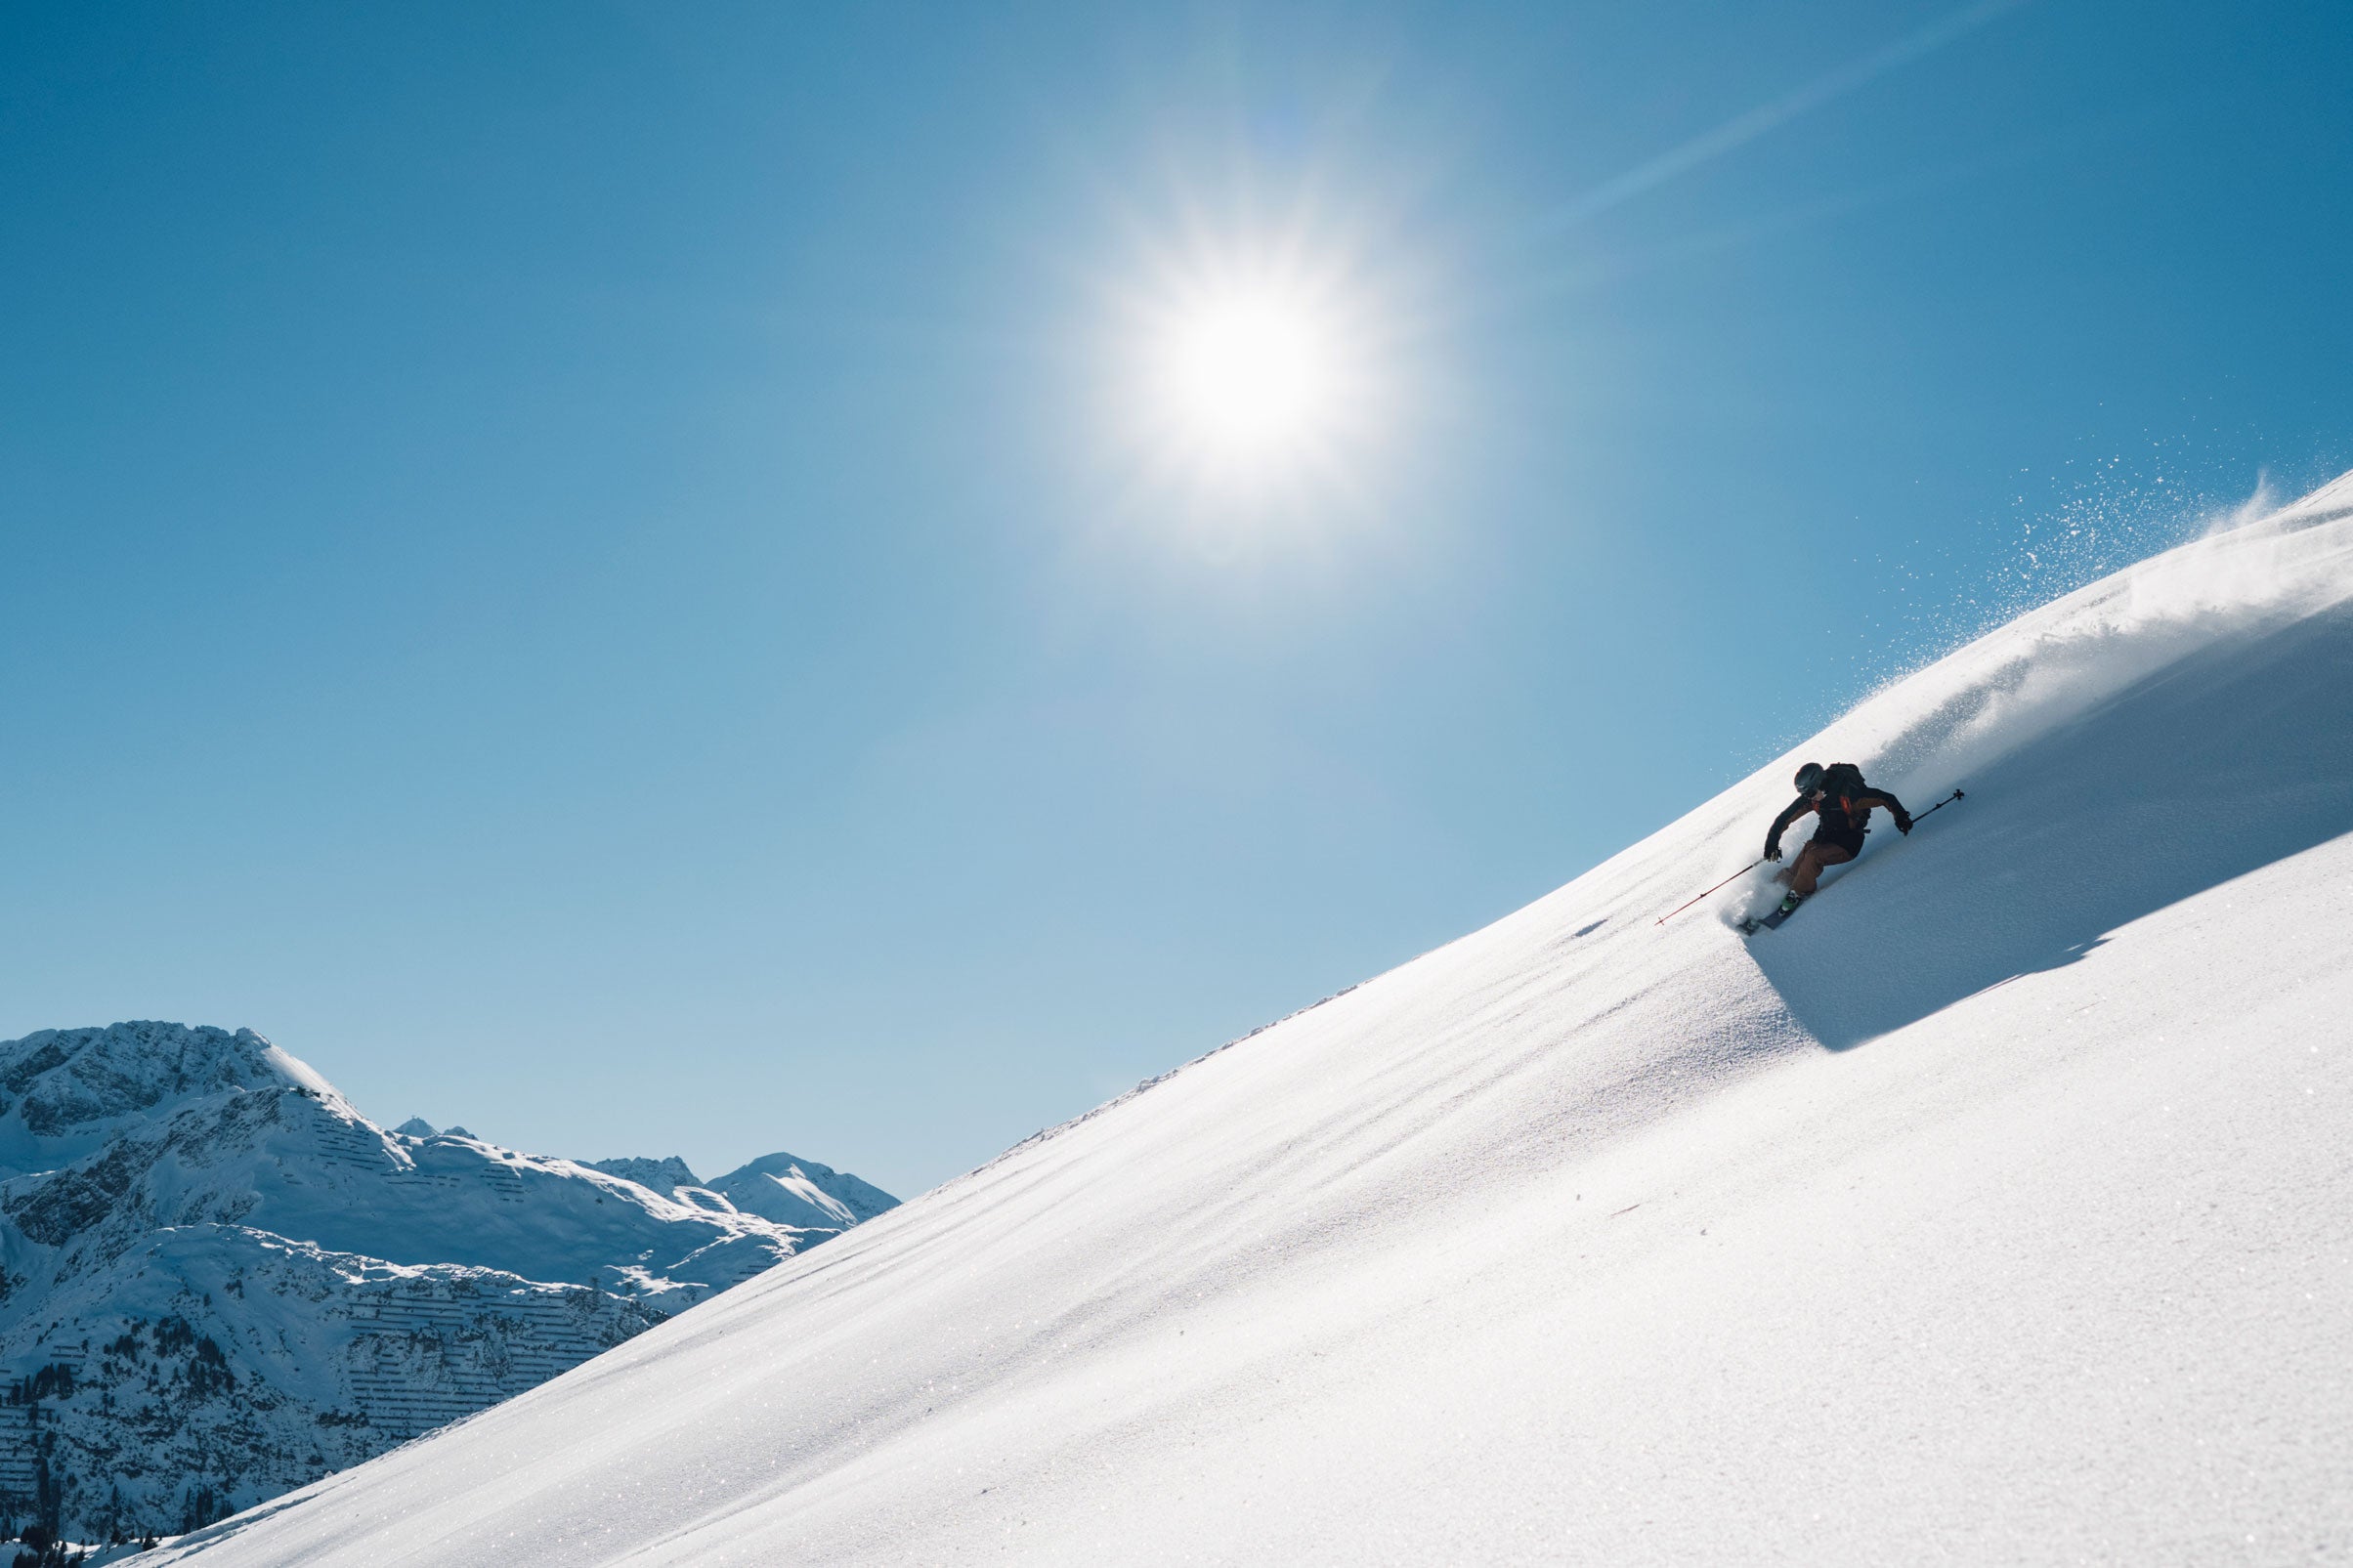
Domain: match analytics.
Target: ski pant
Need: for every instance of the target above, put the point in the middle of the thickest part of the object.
(1811, 861)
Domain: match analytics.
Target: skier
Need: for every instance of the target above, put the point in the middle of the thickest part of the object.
(1838, 796)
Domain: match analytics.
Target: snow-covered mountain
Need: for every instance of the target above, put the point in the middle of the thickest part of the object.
(219, 1281)
(662, 1175)
(780, 1187)
(801, 1192)
(1997, 1208)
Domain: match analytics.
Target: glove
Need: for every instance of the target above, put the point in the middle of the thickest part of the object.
(1904, 822)
(1772, 851)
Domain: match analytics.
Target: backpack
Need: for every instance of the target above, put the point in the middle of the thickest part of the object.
(1842, 780)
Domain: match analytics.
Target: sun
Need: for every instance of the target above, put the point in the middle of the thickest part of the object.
(1255, 387)
(1251, 373)
(1260, 378)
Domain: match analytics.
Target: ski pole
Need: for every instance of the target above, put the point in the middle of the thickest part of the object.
(1727, 882)
(1939, 806)
(1957, 794)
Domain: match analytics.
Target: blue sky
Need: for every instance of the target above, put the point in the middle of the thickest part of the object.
(598, 571)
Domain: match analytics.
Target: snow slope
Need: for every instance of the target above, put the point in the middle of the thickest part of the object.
(1999, 1208)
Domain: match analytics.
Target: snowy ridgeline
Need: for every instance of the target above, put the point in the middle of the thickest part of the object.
(218, 1281)
(1994, 1209)
(776, 1187)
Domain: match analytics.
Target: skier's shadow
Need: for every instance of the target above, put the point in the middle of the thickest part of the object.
(2234, 757)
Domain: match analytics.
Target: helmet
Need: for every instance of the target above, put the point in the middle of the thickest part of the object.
(1808, 777)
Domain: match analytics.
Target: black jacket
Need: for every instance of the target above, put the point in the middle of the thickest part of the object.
(1842, 802)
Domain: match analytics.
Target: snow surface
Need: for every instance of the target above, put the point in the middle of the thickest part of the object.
(1999, 1208)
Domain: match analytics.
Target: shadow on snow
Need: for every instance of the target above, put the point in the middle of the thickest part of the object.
(2237, 756)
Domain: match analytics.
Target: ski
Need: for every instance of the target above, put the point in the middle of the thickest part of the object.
(1771, 921)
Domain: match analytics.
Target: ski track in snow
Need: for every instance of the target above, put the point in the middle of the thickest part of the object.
(1995, 1210)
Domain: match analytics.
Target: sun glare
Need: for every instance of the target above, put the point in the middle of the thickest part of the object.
(1258, 379)
(1258, 384)
(1251, 375)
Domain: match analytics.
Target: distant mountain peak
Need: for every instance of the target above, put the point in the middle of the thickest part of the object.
(662, 1175)
(64, 1092)
(792, 1190)
(782, 1188)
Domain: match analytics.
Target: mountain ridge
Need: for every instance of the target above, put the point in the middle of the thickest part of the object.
(219, 1280)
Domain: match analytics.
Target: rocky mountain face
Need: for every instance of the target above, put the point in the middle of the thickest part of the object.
(219, 1281)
